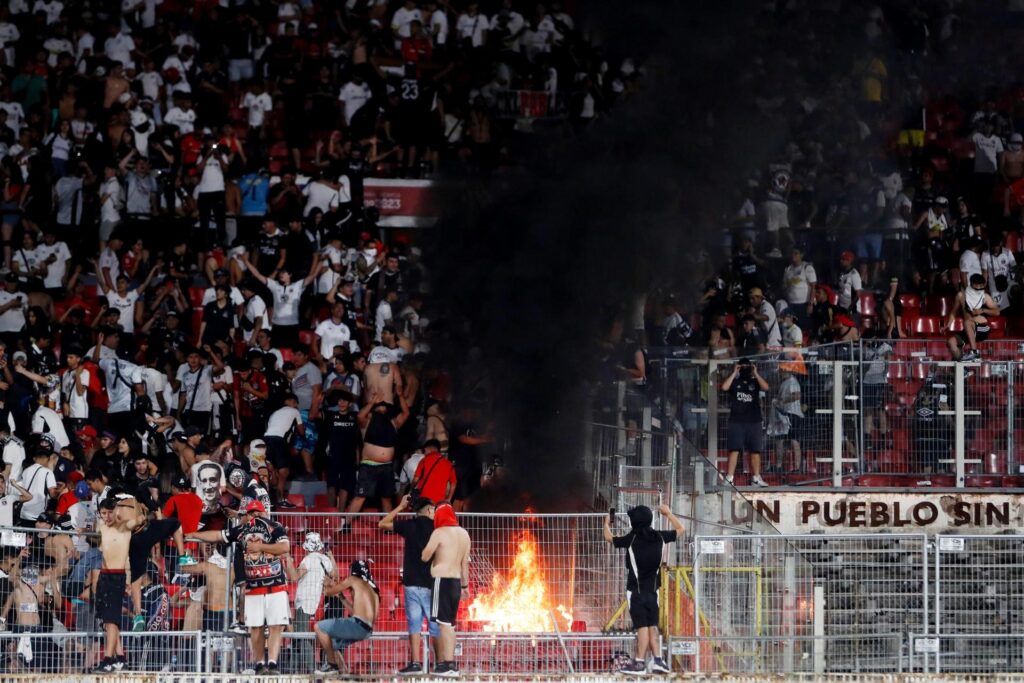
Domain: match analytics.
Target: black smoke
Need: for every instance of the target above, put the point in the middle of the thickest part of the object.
(532, 267)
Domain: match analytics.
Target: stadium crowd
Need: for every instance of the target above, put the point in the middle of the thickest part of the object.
(199, 309)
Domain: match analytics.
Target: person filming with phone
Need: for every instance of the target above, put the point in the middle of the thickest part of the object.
(743, 388)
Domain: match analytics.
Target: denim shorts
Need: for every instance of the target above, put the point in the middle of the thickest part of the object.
(417, 608)
(345, 632)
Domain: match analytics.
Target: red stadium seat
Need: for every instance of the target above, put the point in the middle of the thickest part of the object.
(998, 326)
(866, 304)
(909, 321)
(910, 302)
(938, 305)
(927, 326)
(306, 337)
(963, 149)
(1013, 241)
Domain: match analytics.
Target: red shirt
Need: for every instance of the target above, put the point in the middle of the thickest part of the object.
(66, 500)
(433, 476)
(186, 507)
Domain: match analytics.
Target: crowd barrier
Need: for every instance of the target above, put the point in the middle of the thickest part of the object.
(546, 598)
(847, 414)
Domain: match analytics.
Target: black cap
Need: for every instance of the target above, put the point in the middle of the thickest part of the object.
(420, 502)
(192, 430)
(181, 482)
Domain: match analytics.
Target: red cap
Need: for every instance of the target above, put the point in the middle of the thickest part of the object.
(847, 256)
(255, 506)
(75, 477)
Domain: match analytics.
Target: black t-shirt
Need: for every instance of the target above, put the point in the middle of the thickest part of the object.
(268, 249)
(219, 322)
(142, 543)
(744, 400)
(463, 456)
(343, 440)
(643, 558)
(261, 570)
(416, 532)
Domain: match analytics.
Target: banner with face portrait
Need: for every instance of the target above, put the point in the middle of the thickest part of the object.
(208, 481)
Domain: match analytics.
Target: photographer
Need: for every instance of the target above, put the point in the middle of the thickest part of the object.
(210, 191)
(743, 388)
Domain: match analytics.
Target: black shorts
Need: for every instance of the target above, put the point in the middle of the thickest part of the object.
(110, 590)
(444, 600)
(375, 481)
(745, 436)
(278, 453)
(874, 395)
(340, 476)
(643, 608)
(981, 333)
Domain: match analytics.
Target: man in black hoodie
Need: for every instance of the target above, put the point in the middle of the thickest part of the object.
(644, 548)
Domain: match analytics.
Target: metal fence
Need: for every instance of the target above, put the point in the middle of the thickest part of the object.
(838, 414)
(861, 594)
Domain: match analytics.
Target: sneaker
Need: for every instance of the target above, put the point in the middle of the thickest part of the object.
(328, 668)
(446, 670)
(659, 666)
(187, 560)
(119, 663)
(286, 505)
(261, 669)
(411, 669)
(728, 479)
(774, 253)
(273, 669)
(756, 480)
(238, 628)
(969, 356)
(104, 667)
(139, 623)
(634, 668)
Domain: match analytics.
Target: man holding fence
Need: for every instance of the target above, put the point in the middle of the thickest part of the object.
(644, 546)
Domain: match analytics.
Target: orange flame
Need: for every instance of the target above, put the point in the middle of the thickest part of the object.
(519, 602)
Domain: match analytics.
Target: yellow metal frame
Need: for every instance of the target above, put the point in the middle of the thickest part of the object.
(683, 582)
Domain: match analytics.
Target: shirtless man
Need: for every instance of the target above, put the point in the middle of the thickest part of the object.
(214, 568)
(118, 515)
(973, 305)
(375, 476)
(448, 554)
(29, 596)
(382, 376)
(334, 635)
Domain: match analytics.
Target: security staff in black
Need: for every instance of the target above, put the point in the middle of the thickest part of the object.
(744, 387)
(644, 547)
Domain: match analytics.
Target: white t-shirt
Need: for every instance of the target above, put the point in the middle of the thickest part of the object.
(151, 82)
(196, 399)
(38, 480)
(109, 260)
(184, 120)
(219, 398)
(258, 106)
(970, 263)
(472, 27)
(773, 334)
(401, 22)
(14, 455)
(12, 320)
(236, 298)
(987, 150)
(282, 420)
(254, 310)
(409, 469)
(799, 280)
(125, 306)
(156, 385)
(849, 282)
(113, 200)
(27, 259)
(78, 405)
(121, 378)
(310, 587)
(1001, 264)
(439, 26)
(54, 46)
(212, 179)
(384, 314)
(56, 269)
(47, 421)
(286, 301)
(52, 9)
(319, 196)
(332, 334)
(354, 96)
(119, 48)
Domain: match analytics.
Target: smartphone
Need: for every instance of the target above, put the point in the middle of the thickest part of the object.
(611, 515)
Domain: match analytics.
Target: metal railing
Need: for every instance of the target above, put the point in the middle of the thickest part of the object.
(838, 414)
